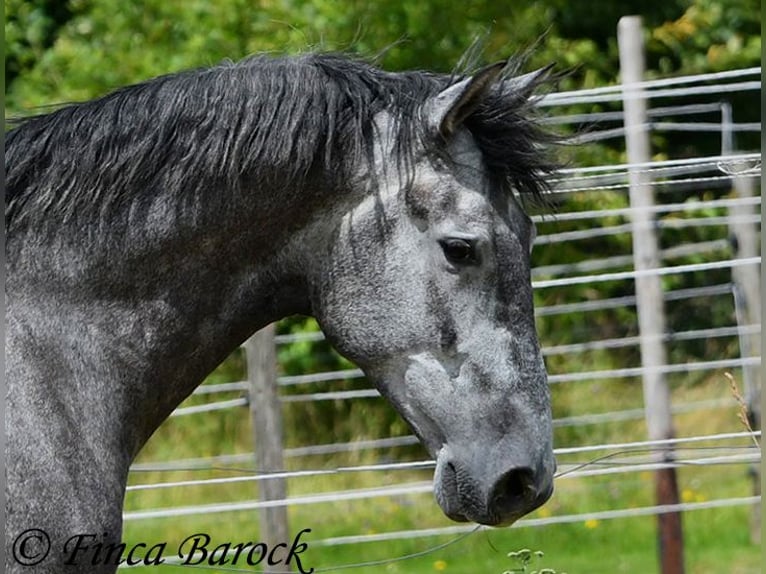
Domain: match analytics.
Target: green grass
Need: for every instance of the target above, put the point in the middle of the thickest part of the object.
(716, 540)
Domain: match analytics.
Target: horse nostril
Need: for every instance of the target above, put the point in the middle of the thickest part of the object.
(514, 492)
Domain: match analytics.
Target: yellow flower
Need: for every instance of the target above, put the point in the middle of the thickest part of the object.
(440, 565)
(688, 495)
(591, 523)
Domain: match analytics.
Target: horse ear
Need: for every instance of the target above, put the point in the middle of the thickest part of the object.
(450, 107)
(523, 86)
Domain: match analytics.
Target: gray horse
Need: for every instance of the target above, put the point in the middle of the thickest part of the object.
(151, 231)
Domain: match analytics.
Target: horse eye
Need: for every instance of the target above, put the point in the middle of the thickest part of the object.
(460, 251)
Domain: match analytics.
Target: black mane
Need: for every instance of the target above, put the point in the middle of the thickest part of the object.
(281, 121)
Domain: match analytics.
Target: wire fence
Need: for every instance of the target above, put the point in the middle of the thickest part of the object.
(699, 275)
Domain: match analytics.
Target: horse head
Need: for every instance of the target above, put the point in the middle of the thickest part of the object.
(426, 286)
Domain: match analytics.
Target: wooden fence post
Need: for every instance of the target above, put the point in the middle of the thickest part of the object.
(266, 417)
(649, 295)
(743, 236)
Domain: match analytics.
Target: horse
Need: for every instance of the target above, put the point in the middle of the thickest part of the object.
(150, 231)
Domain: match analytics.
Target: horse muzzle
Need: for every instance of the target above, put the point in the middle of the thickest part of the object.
(496, 496)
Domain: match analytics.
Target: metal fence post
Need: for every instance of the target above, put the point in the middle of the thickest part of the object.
(649, 296)
(266, 417)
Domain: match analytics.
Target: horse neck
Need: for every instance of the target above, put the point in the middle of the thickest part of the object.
(145, 318)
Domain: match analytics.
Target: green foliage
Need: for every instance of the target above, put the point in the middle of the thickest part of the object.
(30, 28)
(61, 51)
(710, 36)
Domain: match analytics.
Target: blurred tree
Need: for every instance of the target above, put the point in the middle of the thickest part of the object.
(709, 36)
(81, 48)
(30, 29)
